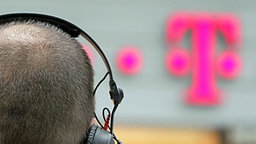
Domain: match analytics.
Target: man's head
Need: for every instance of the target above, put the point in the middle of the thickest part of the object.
(46, 86)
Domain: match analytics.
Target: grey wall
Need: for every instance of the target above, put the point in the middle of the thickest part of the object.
(153, 96)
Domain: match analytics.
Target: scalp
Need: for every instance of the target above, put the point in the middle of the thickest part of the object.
(35, 42)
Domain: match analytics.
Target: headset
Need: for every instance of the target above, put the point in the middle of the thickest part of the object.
(96, 134)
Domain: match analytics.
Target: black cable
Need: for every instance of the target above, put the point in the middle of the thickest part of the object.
(95, 115)
(112, 118)
(99, 83)
(112, 124)
(103, 113)
(94, 92)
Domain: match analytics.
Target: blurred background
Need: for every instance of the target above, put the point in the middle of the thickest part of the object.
(187, 67)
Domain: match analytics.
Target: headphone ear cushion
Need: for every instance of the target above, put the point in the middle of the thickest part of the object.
(91, 134)
(97, 135)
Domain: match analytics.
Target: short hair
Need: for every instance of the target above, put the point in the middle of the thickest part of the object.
(46, 85)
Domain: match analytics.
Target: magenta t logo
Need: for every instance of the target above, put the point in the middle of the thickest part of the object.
(203, 60)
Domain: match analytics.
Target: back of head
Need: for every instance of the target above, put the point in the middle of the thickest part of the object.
(46, 86)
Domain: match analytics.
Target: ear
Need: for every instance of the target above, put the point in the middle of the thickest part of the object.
(93, 121)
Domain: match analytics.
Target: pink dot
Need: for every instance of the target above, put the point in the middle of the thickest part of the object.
(129, 60)
(228, 65)
(177, 61)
